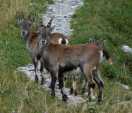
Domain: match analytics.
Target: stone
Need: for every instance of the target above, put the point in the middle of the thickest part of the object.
(62, 10)
(127, 49)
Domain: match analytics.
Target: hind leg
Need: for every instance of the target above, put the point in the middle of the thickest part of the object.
(61, 86)
(53, 82)
(73, 89)
(87, 70)
(100, 84)
(84, 85)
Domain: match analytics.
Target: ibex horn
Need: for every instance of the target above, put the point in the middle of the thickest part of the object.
(50, 22)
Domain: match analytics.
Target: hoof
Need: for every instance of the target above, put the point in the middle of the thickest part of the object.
(75, 93)
(42, 81)
(89, 99)
(53, 94)
(36, 79)
(65, 98)
(99, 100)
(71, 91)
(83, 91)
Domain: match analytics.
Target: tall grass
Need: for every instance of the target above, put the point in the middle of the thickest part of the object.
(8, 9)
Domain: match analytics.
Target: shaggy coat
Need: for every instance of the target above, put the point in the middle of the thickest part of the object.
(60, 58)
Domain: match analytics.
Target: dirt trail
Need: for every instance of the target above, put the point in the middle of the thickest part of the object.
(62, 10)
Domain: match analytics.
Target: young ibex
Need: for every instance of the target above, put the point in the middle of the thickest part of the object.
(95, 72)
(58, 59)
(33, 42)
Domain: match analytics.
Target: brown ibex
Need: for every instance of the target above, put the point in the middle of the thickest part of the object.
(58, 59)
(104, 55)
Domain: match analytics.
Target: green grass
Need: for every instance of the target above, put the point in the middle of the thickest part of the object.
(109, 20)
(20, 95)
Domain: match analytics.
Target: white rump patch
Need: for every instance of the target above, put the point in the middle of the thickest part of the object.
(60, 41)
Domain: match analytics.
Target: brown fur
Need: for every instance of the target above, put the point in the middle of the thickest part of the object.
(60, 58)
(54, 37)
(33, 39)
(32, 45)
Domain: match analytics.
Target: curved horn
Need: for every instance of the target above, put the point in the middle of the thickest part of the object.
(50, 22)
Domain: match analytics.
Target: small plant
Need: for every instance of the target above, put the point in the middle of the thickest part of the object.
(109, 71)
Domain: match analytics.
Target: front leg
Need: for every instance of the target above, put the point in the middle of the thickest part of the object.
(53, 82)
(61, 86)
(100, 84)
(34, 60)
(41, 71)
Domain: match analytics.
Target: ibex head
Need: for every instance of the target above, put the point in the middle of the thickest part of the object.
(25, 27)
(45, 31)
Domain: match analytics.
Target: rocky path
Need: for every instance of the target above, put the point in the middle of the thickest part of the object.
(62, 10)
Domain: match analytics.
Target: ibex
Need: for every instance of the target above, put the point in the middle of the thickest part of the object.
(33, 42)
(58, 59)
(95, 72)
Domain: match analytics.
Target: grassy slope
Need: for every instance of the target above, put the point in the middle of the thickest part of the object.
(18, 94)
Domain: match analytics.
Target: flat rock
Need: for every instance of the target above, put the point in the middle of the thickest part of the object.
(127, 49)
(62, 10)
(124, 86)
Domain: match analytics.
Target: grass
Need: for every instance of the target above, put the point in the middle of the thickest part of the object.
(20, 95)
(9, 9)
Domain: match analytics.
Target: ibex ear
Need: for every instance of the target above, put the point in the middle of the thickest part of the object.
(19, 18)
(100, 44)
(30, 18)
